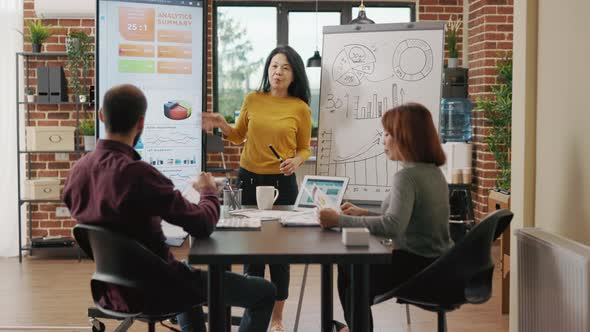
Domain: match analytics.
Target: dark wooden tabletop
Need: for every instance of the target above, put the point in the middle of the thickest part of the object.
(276, 244)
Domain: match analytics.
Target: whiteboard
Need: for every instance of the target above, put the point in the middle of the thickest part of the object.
(366, 70)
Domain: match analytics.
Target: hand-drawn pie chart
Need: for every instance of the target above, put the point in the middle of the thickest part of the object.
(412, 60)
(352, 64)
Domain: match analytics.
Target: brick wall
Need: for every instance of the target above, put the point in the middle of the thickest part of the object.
(490, 39)
(443, 10)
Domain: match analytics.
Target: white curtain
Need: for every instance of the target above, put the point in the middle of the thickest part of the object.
(11, 20)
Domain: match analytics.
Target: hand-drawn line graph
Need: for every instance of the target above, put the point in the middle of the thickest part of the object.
(372, 109)
(412, 60)
(367, 166)
(352, 64)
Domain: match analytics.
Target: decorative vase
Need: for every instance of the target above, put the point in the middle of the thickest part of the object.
(89, 143)
(30, 99)
(82, 98)
(453, 62)
(36, 48)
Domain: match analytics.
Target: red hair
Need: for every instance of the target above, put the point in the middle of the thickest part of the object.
(413, 133)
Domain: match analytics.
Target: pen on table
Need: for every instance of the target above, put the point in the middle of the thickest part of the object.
(272, 148)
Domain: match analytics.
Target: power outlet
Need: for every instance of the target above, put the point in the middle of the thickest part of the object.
(62, 157)
(62, 212)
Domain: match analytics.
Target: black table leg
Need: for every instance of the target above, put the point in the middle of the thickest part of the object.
(327, 294)
(359, 284)
(228, 317)
(217, 310)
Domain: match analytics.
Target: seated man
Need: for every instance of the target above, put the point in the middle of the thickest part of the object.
(113, 187)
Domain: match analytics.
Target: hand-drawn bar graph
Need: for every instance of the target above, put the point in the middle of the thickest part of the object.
(375, 108)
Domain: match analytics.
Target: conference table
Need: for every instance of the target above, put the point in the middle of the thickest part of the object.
(277, 244)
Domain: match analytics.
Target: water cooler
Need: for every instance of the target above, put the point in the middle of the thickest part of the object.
(456, 134)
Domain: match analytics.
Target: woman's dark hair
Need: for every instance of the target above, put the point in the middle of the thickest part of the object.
(414, 135)
(300, 86)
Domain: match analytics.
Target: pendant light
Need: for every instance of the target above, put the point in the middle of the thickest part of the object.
(362, 16)
(316, 59)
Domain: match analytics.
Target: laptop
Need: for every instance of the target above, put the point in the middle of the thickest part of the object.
(333, 186)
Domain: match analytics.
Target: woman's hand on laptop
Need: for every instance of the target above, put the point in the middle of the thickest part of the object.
(353, 210)
(329, 218)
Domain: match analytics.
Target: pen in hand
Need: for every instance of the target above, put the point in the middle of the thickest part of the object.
(272, 148)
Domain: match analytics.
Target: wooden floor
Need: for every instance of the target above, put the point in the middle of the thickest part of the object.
(54, 292)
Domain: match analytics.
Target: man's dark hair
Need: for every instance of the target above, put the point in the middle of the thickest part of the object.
(123, 106)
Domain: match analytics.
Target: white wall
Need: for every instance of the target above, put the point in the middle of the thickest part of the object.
(550, 123)
(563, 119)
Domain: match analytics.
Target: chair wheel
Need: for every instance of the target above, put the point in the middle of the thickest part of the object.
(97, 326)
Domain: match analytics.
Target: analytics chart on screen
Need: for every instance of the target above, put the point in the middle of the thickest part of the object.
(158, 46)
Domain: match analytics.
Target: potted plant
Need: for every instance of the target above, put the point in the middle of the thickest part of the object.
(38, 33)
(30, 92)
(452, 31)
(78, 47)
(498, 111)
(87, 131)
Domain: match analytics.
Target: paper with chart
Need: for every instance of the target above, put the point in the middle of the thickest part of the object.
(365, 73)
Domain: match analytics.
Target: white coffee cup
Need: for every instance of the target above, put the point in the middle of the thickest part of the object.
(266, 197)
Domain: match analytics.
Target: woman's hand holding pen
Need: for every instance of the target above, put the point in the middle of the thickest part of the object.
(289, 166)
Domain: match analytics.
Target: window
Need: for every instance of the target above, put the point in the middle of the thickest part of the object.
(302, 37)
(244, 37)
(246, 33)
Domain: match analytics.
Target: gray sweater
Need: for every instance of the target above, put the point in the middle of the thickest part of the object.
(415, 214)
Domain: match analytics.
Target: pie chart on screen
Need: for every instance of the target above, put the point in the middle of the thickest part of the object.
(177, 110)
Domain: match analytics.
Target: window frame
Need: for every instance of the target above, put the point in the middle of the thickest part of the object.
(282, 24)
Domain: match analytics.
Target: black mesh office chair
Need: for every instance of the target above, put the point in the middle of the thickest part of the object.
(214, 144)
(462, 275)
(123, 261)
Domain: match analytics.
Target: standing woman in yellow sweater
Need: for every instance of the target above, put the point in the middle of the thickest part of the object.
(278, 114)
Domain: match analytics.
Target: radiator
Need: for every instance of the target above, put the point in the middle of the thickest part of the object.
(553, 283)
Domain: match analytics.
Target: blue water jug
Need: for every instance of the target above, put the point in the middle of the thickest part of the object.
(455, 120)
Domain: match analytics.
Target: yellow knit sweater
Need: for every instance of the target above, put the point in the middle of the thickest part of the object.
(283, 122)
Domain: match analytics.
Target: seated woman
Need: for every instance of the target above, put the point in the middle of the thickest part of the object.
(416, 212)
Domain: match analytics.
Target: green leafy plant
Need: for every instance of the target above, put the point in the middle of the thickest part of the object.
(87, 127)
(29, 91)
(38, 32)
(78, 48)
(229, 119)
(452, 30)
(498, 111)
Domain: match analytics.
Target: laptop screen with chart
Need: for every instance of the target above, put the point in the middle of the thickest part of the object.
(334, 187)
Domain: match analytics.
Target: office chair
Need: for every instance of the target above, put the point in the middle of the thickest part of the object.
(123, 261)
(214, 144)
(461, 275)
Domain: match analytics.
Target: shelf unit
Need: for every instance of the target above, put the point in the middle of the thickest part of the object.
(21, 150)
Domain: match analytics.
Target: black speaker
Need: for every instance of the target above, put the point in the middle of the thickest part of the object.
(58, 91)
(43, 84)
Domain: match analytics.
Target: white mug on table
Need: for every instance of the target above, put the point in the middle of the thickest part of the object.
(266, 197)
